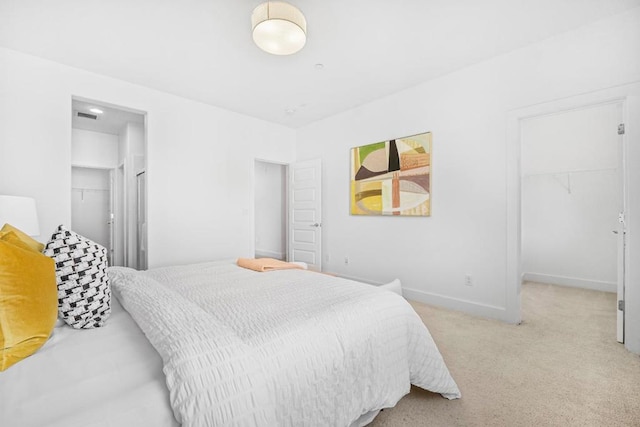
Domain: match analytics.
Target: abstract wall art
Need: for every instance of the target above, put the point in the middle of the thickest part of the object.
(392, 177)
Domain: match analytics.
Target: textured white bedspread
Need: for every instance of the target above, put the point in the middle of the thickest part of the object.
(287, 348)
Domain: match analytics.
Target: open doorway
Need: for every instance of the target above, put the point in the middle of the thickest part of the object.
(108, 161)
(572, 196)
(91, 204)
(288, 211)
(270, 210)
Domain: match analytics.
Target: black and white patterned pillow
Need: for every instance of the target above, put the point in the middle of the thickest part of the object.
(84, 294)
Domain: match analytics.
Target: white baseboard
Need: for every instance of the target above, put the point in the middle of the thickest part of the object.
(265, 253)
(357, 279)
(574, 282)
(458, 304)
(466, 306)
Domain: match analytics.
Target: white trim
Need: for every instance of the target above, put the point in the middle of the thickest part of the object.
(458, 304)
(574, 282)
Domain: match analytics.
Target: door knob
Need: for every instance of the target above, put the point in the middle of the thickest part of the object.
(314, 225)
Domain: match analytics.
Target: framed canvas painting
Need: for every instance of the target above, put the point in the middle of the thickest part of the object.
(392, 177)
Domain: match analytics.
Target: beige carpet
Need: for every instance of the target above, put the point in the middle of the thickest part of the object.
(560, 367)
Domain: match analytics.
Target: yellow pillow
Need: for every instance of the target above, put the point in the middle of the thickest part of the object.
(33, 243)
(28, 299)
(15, 240)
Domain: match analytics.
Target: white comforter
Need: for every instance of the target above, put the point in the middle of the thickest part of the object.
(102, 377)
(286, 348)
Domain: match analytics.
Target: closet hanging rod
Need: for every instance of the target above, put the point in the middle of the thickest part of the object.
(571, 171)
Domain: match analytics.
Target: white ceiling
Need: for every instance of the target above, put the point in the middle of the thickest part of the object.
(202, 49)
(112, 119)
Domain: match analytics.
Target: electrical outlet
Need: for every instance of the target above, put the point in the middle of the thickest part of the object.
(467, 280)
(346, 260)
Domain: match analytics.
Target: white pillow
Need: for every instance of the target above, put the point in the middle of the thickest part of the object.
(394, 286)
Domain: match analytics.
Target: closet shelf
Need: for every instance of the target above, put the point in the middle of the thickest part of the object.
(89, 189)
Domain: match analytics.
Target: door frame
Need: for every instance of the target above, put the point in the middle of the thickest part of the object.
(120, 194)
(618, 95)
(120, 182)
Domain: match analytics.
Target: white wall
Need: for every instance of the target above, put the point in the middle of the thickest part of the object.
(89, 178)
(93, 149)
(467, 113)
(571, 196)
(199, 166)
(270, 210)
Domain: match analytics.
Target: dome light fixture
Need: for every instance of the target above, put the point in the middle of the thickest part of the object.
(279, 28)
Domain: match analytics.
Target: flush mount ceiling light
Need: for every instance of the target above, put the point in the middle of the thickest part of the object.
(279, 28)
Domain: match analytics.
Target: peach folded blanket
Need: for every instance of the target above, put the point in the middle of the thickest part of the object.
(265, 264)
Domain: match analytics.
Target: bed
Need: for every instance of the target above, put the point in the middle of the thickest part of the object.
(215, 344)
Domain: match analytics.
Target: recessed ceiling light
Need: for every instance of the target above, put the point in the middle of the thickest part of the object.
(96, 110)
(319, 66)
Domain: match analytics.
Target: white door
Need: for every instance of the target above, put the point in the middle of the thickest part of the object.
(621, 270)
(305, 213)
(112, 215)
(621, 236)
(141, 221)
